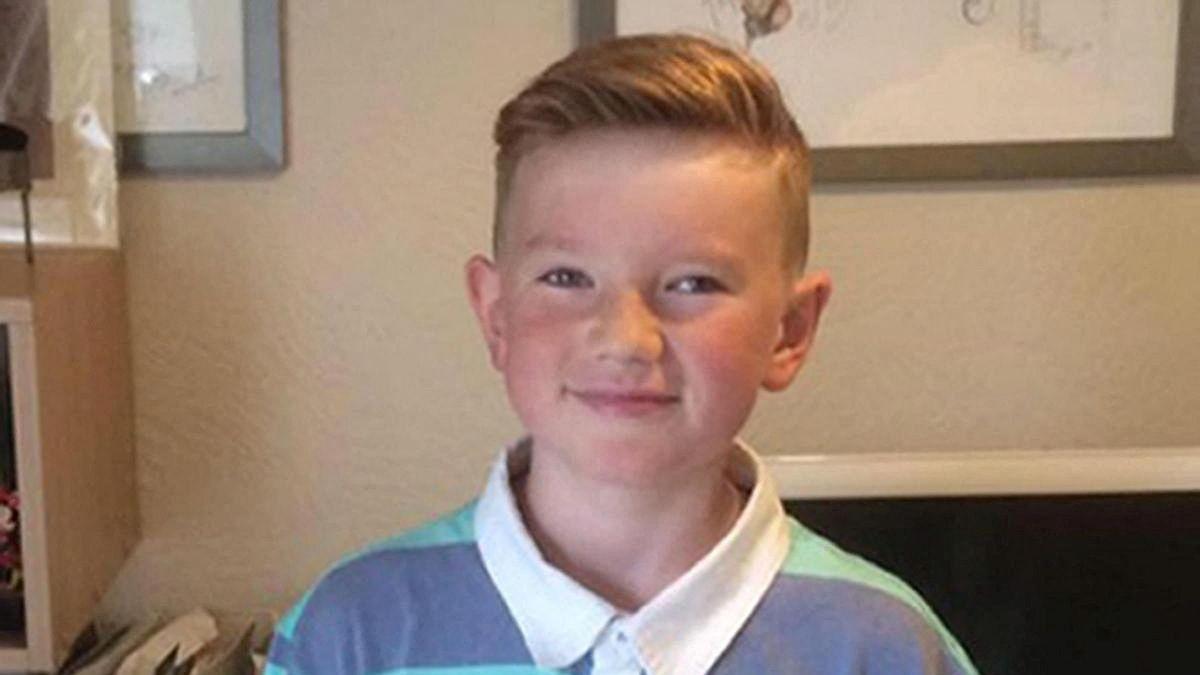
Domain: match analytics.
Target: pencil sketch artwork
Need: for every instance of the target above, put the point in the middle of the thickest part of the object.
(978, 12)
(1046, 29)
(759, 18)
(177, 66)
(880, 72)
(25, 79)
(763, 17)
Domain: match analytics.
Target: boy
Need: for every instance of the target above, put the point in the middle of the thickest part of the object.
(649, 236)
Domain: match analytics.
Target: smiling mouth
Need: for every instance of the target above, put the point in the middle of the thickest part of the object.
(624, 403)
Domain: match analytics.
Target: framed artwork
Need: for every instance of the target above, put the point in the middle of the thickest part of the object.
(962, 89)
(25, 71)
(56, 91)
(198, 85)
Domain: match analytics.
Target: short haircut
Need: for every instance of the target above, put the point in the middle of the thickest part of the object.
(653, 82)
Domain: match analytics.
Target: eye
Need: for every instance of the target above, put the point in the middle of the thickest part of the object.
(697, 285)
(565, 277)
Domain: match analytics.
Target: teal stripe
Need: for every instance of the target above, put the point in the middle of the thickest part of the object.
(273, 669)
(815, 556)
(457, 527)
(287, 625)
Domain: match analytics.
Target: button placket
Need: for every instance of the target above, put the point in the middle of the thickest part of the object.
(616, 653)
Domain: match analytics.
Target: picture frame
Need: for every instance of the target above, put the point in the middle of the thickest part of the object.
(72, 198)
(1178, 153)
(258, 146)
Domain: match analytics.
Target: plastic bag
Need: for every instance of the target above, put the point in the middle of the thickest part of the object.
(56, 85)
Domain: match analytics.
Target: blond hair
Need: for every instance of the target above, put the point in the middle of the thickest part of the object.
(674, 82)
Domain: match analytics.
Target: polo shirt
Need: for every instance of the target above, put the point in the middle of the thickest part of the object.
(469, 593)
(683, 629)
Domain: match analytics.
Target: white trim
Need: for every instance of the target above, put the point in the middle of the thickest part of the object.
(23, 373)
(1008, 472)
(14, 660)
(16, 310)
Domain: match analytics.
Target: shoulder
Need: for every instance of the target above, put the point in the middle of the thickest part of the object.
(856, 611)
(384, 567)
(415, 584)
(815, 558)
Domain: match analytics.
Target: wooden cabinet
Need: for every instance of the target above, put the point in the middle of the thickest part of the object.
(69, 362)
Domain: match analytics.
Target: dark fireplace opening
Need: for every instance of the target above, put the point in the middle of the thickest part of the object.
(1043, 584)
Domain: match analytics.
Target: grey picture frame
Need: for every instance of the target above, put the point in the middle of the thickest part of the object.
(1177, 154)
(257, 148)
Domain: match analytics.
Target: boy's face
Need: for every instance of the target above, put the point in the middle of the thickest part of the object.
(640, 299)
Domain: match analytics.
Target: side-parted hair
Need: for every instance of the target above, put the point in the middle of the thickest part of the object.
(674, 82)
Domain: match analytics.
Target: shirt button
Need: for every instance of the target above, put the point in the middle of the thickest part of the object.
(622, 637)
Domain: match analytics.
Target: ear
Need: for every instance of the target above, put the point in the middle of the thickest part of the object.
(807, 299)
(483, 290)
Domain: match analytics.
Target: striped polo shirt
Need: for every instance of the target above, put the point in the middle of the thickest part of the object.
(469, 593)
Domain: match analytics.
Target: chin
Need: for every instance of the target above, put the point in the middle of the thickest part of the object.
(632, 462)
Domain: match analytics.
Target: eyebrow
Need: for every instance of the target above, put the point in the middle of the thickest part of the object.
(717, 256)
(551, 241)
(557, 242)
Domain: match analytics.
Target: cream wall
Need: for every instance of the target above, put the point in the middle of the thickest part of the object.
(307, 376)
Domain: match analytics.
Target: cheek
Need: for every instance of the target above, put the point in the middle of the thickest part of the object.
(537, 344)
(731, 360)
(736, 348)
(728, 365)
(537, 333)
(545, 325)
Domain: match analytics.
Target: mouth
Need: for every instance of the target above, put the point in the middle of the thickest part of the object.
(624, 403)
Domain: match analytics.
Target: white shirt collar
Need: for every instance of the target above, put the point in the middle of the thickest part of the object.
(684, 629)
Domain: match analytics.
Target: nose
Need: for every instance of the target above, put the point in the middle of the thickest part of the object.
(627, 330)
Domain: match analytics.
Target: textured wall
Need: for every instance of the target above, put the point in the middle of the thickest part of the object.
(993, 316)
(307, 375)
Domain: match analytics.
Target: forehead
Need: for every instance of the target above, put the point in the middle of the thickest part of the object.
(642, 182)
(637, 149)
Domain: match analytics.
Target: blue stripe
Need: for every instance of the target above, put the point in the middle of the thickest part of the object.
(415, 602)
(454, 528)
(812, 555)
(473, 670)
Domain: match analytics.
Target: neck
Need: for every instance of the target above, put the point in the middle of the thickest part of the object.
(626, 543)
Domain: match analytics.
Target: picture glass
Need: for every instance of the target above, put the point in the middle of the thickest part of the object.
(886, 73)
(178, 66)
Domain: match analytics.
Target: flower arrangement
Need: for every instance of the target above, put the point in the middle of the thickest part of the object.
(10, 540)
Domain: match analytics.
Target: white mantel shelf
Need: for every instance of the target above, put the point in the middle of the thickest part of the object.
(986, 473)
